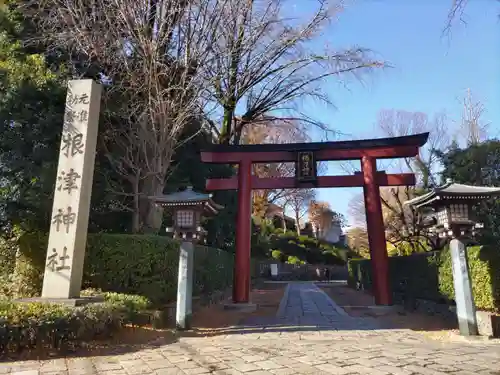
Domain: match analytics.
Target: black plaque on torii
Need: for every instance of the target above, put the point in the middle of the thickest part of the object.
(305, 167)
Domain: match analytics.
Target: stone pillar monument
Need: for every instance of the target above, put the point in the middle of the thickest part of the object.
(184, 307)
(70, 212)
(464, 298)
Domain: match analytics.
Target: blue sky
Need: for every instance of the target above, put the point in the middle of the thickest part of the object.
(429, 72)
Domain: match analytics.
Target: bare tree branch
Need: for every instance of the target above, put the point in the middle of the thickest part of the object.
(457, 11)
(472, 128)
(264, 62)
(400, 221)
(396, 123)
(299, 201)
(149, 54)
(356, 210)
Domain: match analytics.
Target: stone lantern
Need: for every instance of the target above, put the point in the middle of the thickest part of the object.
(448, 211)
(188, 208)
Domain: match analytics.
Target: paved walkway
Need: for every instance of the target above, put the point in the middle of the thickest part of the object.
(304, 304)
(309, 335)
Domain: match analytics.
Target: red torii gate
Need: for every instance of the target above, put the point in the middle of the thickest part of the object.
(367, 151)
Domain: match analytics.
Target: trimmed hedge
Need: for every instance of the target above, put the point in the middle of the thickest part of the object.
(51, 326)
(145, 265)
(429, 276)
(484, 265)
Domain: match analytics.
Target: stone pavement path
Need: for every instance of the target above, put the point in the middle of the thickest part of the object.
(309, 335)
(305, 304)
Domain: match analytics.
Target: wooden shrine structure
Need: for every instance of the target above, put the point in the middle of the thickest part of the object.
(305, 156)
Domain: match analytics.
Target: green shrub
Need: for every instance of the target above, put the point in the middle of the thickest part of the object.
(280, 232)
(278, 255)
(360, 273)
(35, 325)
(429, 275)
(405, 248)
(145, 265)
(131, 301)
(484, 266)
(416, 275)
(7, 256)
(308, 249)
(269, 242)
(294, 260)
(213, 271)
(27, 274)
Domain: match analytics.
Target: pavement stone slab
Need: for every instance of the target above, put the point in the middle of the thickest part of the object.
(310, 334)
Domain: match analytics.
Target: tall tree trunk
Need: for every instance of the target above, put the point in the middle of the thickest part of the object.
(151, 213)
(136, 214)
(297, 222)
(227, 121)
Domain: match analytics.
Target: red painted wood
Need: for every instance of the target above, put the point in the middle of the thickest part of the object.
(356, 180)
(241, 283)
(376, 233)
(288, 156)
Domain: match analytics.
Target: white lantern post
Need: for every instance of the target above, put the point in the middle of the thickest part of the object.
(188, 207)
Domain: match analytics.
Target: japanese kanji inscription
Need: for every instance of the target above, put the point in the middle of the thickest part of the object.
(64, 218)
(68, 181)
(305, 167)
(73, 185)
(72, 144)
(56, 262)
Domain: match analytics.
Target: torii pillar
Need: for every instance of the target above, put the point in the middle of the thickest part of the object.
(376, 232)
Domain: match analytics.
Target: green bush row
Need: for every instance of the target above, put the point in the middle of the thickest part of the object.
(429, 276)
(145, 265)
(291, 248)
(39, 325)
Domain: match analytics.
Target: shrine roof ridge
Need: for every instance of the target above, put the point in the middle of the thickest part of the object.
(186, 197)
(408, 140)
(453, 191)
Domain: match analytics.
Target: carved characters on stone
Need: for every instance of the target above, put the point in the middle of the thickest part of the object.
(74, 99)
(64, 218)
(56, 262)
(68, 181)
(72, 191)
(72, 144)
(71, 116)
(463, 260)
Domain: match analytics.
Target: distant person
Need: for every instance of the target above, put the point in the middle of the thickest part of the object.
(327, 274)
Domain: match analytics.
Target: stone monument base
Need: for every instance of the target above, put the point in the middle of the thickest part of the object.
(71, 302)
(242, 307)
(488, 324)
